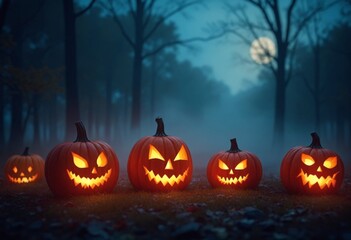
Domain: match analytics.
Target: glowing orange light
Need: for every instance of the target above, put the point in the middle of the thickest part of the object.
(165, 179)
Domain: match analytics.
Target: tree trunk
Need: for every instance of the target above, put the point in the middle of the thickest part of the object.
(279, 118)
(36, 130)
(16, 129)
(153, 84)
(108, 107)
(3, 11)
(340, 128)
(90, 113)
(2, 115)
(137, 66)
(317, 86)
(72, 96)
(53, 119)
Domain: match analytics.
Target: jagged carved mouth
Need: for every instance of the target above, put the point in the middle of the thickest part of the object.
(23, 179)
(232, 180)
(312, 179)
(165, 179)
(86, 182)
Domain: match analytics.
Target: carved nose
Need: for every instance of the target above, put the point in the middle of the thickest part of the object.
(22, 174)
(231, 172)
(319, 169)
(169, 165)
(94, 171)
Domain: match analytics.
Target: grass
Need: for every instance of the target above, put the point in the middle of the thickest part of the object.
(126, 207)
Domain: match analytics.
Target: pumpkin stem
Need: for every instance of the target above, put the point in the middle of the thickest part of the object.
(316, 143)
(233, 146)
(160, 131)
(81, 133)
(26, 152)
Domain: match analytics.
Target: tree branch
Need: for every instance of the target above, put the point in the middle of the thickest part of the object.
(167, 16)
(119, 23)
(78, 14)
(180, 42)
(264, 13)
(307, 84)
(288, 20)
(148, 10)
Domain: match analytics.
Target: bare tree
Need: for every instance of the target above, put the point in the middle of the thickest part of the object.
(284, 24)
(147, 20)
(314, 36)
(3, 11)
(72, 96)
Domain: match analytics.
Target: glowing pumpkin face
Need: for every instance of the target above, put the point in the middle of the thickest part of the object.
(312, 169)
(81, 167)
(97, 170)
(234, 168)
(25, 168)
(160, 162)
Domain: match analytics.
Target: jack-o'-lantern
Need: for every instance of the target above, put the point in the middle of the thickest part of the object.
(160, 162)
(25, 168)
(234, 168)
(312, 169)
(82, 166)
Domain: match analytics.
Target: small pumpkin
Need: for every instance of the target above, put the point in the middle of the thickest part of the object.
(160, 162)
(25, 168)
(234, 168)
(82, 166)
(312, 169)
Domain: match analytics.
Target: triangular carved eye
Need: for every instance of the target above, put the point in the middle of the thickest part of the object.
(155, 154)
(307, 159)
(182, 155)
(242, 165)
(331, 162)
(222, 165)
(101, 160)
(79, 161)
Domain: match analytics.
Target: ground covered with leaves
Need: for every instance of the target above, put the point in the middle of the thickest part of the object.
(200, 212)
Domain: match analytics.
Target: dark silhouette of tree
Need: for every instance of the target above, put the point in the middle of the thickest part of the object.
(72, 95)
(284, 27)
(148, 16)
(315, 37)
(338, 70)
(3, 11)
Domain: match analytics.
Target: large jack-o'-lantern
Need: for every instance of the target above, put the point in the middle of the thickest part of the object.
(25, 168)
(312, 169)
(160, 162)
(82, 166)
(234, 168)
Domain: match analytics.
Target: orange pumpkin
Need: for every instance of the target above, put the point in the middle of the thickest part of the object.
(312, 169)
(160, 162)
(25, 168)
(234, 168)
(82, 166)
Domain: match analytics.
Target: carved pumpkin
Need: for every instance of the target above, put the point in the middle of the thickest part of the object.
(160, 162)
(234, 168)
(25, 168)
(82, 166)
(312, 169)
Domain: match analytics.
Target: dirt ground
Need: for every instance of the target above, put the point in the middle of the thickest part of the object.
(199, 212)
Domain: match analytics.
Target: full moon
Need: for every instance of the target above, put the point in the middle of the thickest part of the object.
(262, 50)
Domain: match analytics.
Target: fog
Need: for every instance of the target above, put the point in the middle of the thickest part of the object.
(207, 91)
